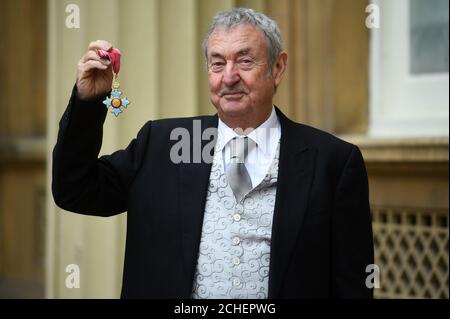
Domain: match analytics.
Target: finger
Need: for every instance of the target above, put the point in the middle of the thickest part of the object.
(93, 56)
(92, 64)
(99, 45)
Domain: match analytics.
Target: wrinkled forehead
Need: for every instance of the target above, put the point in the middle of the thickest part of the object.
(237, 38)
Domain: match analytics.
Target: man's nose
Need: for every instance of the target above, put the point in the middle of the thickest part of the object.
(231, 74)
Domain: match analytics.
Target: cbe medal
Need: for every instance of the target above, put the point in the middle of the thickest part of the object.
(115, 100)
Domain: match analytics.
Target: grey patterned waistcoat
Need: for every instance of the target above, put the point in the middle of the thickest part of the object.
(234, 252)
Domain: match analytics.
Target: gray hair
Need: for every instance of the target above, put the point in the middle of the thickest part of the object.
(238, 16)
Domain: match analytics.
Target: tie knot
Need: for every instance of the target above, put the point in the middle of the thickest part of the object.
(238, 149)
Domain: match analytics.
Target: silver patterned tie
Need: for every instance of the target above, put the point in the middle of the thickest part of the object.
(237, 175)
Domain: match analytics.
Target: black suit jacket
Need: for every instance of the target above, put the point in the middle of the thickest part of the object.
(321, 237)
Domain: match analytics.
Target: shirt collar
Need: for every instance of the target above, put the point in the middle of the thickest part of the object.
(264, 135)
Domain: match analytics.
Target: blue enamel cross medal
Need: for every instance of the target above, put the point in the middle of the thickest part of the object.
(115, 101)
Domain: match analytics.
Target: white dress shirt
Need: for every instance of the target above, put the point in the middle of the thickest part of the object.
(263, 142)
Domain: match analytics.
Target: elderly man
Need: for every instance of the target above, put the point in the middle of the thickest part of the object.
(279, 211)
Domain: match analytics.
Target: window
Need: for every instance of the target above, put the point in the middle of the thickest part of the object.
(409, 69)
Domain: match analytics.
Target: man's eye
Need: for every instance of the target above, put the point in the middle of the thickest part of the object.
(246, 63)
(216, 64)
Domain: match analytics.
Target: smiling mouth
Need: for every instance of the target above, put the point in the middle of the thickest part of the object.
(233, 95)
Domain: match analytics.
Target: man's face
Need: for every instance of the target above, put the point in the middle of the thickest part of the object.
(240, 81)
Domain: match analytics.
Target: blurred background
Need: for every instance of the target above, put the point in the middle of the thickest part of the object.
(373, 73)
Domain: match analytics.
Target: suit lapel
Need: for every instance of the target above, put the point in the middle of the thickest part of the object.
(194, 180)
(296, 171)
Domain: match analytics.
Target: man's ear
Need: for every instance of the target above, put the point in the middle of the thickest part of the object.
(279, 68)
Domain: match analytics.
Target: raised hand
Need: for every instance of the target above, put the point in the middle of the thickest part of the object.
(94, 74)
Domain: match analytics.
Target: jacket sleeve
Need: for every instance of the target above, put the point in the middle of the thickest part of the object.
(82, 182)
(351, 234)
